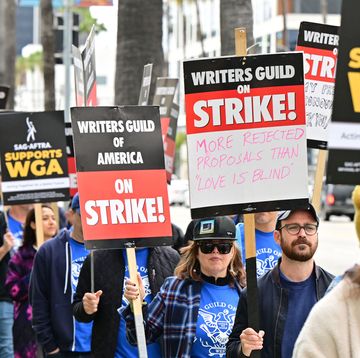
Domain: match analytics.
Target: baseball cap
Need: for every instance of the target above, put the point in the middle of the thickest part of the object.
(283, 215)
(75, 203)
(219, 227)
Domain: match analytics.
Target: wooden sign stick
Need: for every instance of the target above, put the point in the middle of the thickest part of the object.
(249, 230)
(319, 175)
(39, 225)
(137, 305)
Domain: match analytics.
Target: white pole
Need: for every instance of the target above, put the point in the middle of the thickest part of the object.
(68, 25)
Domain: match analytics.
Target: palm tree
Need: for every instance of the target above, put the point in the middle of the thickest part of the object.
(9, 48)
(139, 41)
(48, 44)
(233, 14)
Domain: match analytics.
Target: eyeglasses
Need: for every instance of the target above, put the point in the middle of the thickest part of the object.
(294, 229)
(208, 247)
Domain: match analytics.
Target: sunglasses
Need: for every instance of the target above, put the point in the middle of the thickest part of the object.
(208, 247)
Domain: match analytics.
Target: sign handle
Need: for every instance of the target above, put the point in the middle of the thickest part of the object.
(39, 225)
(249, 229)
(319, 175)
(92, 280)
(137, 305)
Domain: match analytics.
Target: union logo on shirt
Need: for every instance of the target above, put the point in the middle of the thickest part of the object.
(217, 327)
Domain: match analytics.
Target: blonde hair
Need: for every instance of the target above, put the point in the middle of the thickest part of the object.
(189, 265)
(354, 274)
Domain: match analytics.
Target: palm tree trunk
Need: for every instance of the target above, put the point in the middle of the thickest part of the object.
(233, 14)
(48, 40)
(139, 41)
(10, 49)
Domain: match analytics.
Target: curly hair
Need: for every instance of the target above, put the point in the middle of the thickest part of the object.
(189, 265)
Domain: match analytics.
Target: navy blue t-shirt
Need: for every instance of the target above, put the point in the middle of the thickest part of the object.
(302, 297)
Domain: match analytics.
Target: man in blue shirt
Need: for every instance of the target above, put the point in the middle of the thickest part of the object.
(286, 293)
(53, 282)
(267, 250)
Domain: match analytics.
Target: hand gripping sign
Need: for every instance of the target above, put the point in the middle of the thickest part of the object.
(246, 133)
(121, 176)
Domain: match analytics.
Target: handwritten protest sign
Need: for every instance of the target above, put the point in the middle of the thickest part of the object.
(121, 176)
(319, 43)
(246, 133)
(33, 157)
(344, 132)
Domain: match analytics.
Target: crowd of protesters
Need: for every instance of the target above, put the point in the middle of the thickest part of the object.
(194, 294)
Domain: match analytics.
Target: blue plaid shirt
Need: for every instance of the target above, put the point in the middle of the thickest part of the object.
(172, 314)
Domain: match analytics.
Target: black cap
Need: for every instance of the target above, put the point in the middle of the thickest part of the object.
(283, 215)
(215, 228)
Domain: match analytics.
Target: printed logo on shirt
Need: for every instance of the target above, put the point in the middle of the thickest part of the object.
(75, 270)
(266, 260)
(217, 327)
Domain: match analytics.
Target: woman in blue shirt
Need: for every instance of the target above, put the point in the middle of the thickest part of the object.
(193, 313)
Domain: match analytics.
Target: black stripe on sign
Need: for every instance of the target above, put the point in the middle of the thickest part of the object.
(249, 208)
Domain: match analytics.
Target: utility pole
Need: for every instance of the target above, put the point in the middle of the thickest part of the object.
(324, 10)
(285, 34)
(67, 38)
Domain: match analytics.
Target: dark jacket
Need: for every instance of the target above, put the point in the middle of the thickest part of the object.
(50, 294)
(4, 293)
(109, 272)
(273, 301)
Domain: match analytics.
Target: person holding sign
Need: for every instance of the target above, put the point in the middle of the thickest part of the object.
(53, 281)
(194, 312)
(18, 277)
(110, 273)
(286, 293)
(339, 311)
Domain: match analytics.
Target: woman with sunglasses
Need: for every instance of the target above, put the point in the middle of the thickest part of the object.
(193, 314)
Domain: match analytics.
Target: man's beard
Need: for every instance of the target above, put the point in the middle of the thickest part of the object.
(302, 255)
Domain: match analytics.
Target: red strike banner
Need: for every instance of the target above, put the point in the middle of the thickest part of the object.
(229, 110)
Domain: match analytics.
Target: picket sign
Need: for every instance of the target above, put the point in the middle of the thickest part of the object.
(131, 258)
(249, 228)
(39, 224)
(318, 182)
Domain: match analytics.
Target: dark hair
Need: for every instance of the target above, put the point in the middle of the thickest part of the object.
(29, 235)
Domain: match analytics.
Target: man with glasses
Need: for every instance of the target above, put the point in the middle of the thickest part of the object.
(286, 293)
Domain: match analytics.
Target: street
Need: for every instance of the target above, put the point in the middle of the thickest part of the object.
(338, 246)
